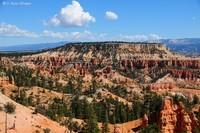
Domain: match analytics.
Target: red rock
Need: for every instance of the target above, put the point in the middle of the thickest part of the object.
(174, 120)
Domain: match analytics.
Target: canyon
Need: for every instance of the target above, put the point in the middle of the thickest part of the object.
(114, 74)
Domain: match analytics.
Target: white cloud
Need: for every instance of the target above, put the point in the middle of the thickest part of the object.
(14, 31)
(72, 36)
(111, 15)
(89, 36)
(73, 15)
(140, 38)
(47, 33)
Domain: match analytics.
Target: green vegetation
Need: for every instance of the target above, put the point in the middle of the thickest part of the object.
(9, 108)
(105, 128)
(22, 98)
(152, 128)
(152, 105)
(119, 91)
(57, 109)
(91, 122)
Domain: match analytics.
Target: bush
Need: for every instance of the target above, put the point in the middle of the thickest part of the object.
(9, 108)
(47, 130)
(153, 128)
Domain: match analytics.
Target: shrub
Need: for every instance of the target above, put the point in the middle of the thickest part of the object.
(47, 130)
(153, 128)
(9, 108)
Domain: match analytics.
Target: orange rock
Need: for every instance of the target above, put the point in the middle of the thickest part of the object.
(174, 120)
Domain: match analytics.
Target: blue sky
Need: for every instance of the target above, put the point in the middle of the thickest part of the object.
(41, 21)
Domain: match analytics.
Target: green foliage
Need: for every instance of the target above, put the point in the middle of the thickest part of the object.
(57, 109)
(40, 109)
(77, 107)
(195, 99)
(138, 110)
(24, 76)
(91, 122)
(152, 106)
(114, 110)
(119, 91)
(184, 100)
(9, 108)
(93, 87)
(152, 128)
(105, 128)
(120, 113)
(22, 98)
(69, 88)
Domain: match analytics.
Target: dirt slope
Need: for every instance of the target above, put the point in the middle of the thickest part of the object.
(25, 121)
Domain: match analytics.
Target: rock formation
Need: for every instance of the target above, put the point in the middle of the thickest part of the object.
(174, 119)
(168, 118)
(149, 63)
(184, 74)
(4, 81)
(184, 121)
(161, 86)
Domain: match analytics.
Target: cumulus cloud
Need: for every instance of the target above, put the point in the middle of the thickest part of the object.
(73, 15)
(111, 15)
(14, 31)
(140, 38)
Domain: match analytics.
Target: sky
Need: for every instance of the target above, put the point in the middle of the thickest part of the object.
(43, 21)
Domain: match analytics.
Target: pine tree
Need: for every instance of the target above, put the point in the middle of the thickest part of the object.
(92, 124)
(137, 110)
(94, 86)
(105, 128)
(76, 107)
(114, 122)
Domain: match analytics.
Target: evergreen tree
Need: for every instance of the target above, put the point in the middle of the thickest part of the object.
(91, 122)
(94, 86)
(105, 128)
(69, 88)
(76, 107)
(195, 99)
(137, 110)
(153, 128)
(85, 108)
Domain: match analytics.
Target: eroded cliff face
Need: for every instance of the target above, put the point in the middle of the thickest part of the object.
(170, 63)
(4, 81)
(147, 62)
(168, 118)
(174, 118)
(186, 69)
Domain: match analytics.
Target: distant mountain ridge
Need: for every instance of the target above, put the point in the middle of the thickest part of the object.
(30, 47)
(188, 46)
